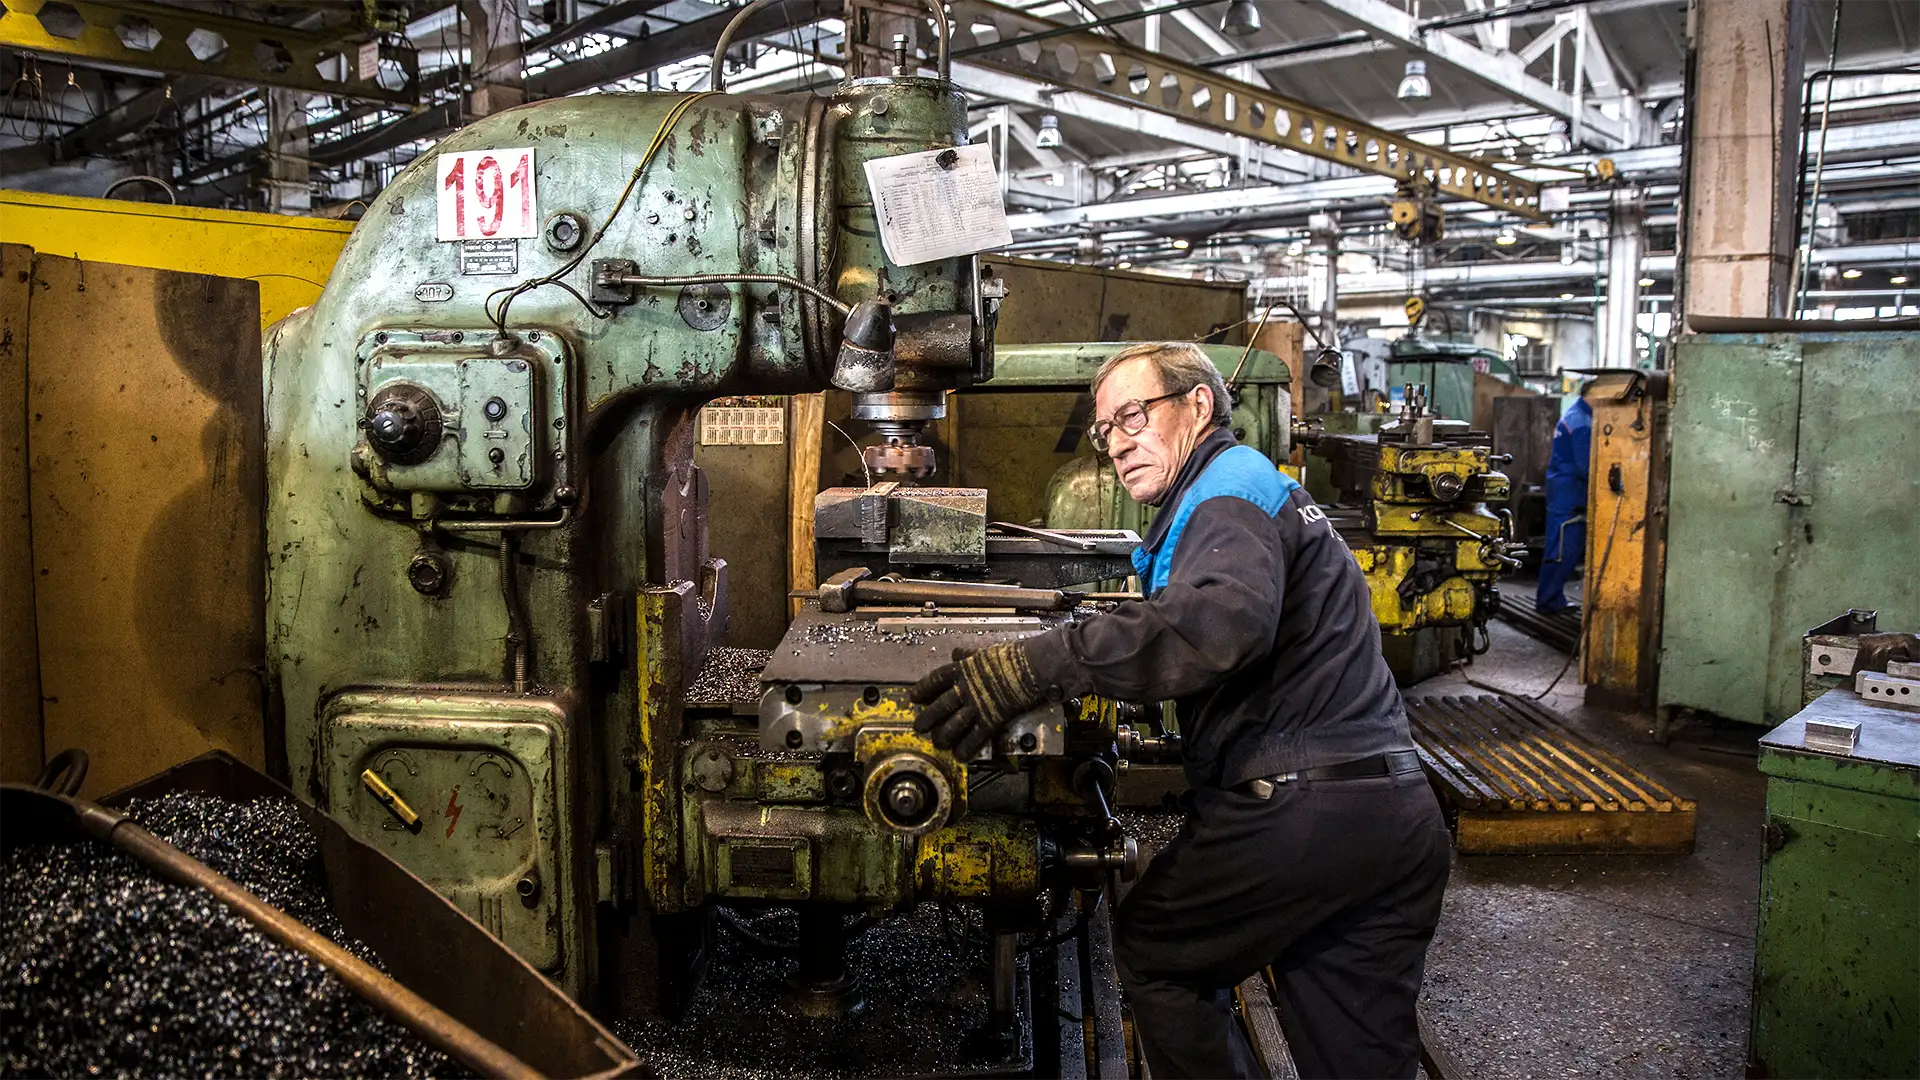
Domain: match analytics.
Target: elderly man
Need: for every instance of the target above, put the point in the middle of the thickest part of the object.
(1312, 843)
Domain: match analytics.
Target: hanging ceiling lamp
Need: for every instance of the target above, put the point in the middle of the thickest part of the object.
(1048, 137)
(1414, 83)
(1241, 19)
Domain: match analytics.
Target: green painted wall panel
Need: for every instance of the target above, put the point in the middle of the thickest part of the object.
(1854, 541)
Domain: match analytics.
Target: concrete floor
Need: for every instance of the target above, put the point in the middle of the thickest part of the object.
(1613, 966)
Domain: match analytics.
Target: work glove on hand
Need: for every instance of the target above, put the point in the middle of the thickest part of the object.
(965, 704)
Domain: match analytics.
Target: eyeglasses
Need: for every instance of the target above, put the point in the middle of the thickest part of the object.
(1131, 418)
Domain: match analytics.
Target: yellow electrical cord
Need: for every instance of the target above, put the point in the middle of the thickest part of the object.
(659, 139)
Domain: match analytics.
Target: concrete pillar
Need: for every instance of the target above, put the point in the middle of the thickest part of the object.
(289, 180)
(1743, 149)
(493, 43)
(1573, 345)
(1626, 241)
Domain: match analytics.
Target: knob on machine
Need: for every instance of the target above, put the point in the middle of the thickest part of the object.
(403, 424)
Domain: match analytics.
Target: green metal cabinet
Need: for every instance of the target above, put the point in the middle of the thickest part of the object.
(1836, 981)
(1794, 494)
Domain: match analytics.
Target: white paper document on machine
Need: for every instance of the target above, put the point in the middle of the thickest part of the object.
(938, 204)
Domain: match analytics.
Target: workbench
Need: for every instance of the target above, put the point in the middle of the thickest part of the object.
(1836, 980)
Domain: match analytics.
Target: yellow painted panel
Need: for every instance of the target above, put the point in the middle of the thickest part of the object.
(144, 423)
(1626, 534)
(289, 256)
(20, 750)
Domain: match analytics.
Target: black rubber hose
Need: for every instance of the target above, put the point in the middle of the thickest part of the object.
(64, 773)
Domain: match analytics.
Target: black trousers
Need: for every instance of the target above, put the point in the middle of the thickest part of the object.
(1335, 883)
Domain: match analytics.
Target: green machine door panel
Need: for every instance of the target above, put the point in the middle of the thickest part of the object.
(484, 773)
(1794, 497)
(1854, 511)
(1734, 421)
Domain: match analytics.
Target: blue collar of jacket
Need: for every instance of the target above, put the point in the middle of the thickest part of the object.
(1220, 441)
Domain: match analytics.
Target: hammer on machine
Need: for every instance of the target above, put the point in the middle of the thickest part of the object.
(854, 587)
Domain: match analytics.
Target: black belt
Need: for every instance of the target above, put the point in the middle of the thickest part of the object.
(1391, 763)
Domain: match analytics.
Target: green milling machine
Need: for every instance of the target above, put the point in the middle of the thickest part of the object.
(489, 588)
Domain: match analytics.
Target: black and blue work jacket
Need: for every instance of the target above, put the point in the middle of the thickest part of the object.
(1256, 622)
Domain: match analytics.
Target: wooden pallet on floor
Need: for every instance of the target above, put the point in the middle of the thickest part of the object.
(1523, 783)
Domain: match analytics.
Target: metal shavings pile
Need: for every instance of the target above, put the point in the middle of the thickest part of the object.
(728, 676)
(926, 1012)
(1151, 829)
(866, 633)
(108, 969)
(263, 845)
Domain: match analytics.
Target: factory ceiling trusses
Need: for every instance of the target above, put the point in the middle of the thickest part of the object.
(674, 44)
(1069, 57)
(178, 41)
(1504, 70)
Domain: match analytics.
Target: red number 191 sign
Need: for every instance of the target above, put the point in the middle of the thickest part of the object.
(487, 195)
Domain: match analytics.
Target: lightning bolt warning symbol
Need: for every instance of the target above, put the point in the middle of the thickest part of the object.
(453, 810)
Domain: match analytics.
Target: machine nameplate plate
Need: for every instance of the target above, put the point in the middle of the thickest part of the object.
(764, 869)
(761, 867)
(490, 257)
(727, 425)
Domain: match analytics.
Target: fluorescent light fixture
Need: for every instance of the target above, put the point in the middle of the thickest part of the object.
(1897, 279)
(1414, 83)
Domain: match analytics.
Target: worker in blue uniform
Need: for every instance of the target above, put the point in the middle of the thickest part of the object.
(1566, 539)
(1312, 843)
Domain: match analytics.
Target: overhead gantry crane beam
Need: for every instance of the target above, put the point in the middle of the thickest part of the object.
(1029, 47)
(182, 41)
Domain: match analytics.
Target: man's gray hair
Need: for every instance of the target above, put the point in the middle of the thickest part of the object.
(1181, 366)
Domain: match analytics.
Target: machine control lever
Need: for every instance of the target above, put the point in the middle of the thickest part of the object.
(1092, 781)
